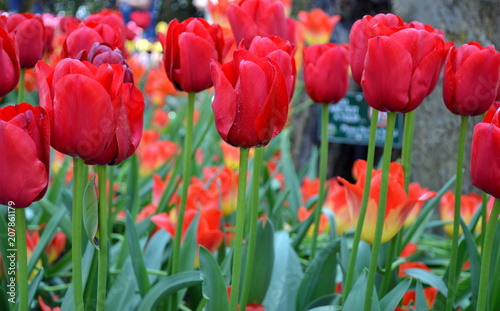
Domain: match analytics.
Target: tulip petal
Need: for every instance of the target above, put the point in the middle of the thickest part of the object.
(485, 167)
(242, 24)
(76, 130)
(24, 176)
(387, 75)
(224, 104)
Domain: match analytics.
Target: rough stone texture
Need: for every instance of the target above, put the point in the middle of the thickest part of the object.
(436, 129)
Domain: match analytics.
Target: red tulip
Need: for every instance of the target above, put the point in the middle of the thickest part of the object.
(25, 158)
(400, 69)
(81, 38)
(253, 18)
(30, 37)
(326, 72)
(485, 160)
(113, 19)
(471, 79)
(363, 30)
(9, 62)
(251, 100)
(281, 51)
(189, 47)
(83, 103)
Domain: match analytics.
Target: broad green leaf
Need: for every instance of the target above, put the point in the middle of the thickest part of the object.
(168, 286)
(155, 251)
(286, 276)
(88, 255)
(356, 298)
(54, 192)
(133, 185)
(325, 301)
(291, 180)
(65, 223)
(262, 262)
(428, 278)
(33, 286)
(137, 257)
(420, 298)
(214, 287)
(91, 211)
(392, 299)
(320, 277)
(189, 245)
(123, 292)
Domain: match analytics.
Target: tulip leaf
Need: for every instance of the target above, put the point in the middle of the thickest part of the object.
(428, 278)
(320, 277)
(189, 245)
(356, 298)
(325, 308)
(214, 287)
(136, 254)
(168, 286)
(47, 235)
(495, 278)
(133, 185)
(291, 179)
(33, 287)
(420, 302)
(392, 299)
(286, 275)
(154, 253)
(91, 211)
(328, 300)
(475, 261)
(54, 192)
(3, 246)
(88, 256)
(262, 262)
(123, 292)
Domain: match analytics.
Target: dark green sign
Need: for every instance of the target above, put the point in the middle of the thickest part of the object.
(349, 122)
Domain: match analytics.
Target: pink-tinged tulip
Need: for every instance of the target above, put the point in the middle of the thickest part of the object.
(189, 48)
(25, 158)
(102, 53)
(281, 51)
(398, 207)
(9, 62)
(400, 70)
(326, 72)
(468, 206)
(485, 160)
(488, 117)
(364, 29)
(471, 79)
(129, 125)
(251, 100)
(30, 37)
(253, 18)
(81, 38)
(83, 102)
(318, 26)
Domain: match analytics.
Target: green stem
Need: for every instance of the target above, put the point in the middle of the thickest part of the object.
(111, 177)
(78, 187)
(102, 269)
(322, 176)
(486, 256)
(452, 276)
(388, 266)
(364, 204)
(186, 176)
(484, 207)
(386, 162)
(252, 235)
(409, 127)
(240, 226)
(20, 87)
(22, 259)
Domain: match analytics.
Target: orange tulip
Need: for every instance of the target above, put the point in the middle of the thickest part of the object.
(318, 26)
(398, 206)
(415, 192)
(468, 206)
(153, 152)
(409, 299)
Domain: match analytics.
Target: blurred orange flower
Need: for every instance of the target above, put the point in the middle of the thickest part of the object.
(158, 86)
(409, 299)
(318, 26)
(416, 191)
(468, 207)
(154, 152)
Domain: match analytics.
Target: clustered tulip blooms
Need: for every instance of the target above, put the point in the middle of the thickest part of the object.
(25, 158)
